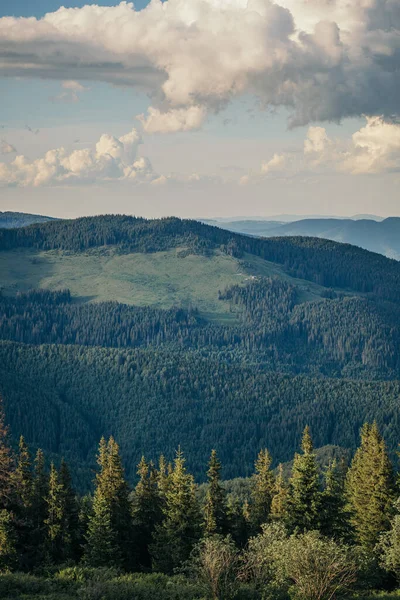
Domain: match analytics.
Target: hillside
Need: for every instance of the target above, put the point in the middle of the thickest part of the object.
(121, 325)
(370, 234)
(10, 220)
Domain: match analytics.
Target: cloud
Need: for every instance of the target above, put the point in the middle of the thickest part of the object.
(180, 119)
(7, 148)
(373, 150)
(111, 159)
(71, 92)
(321, 59)
(275, 165)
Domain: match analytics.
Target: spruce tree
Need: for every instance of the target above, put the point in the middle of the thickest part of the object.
(23, 483)
(109, 538)
(176, 536)
(6, 464)
(39, 508)
(279, 498)
(334, 516)
(263, 488)
(55, 517)
(215, 517)
(303, 502)
(8, 541)
(23, 475)
(70, 525)
(146, 511)
(369, 488)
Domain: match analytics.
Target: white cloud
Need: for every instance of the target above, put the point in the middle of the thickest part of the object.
(376, 148)
(7, 148)
(373, 150)
(321, 59)
(275, 165)
(112, 158)
(178, 119)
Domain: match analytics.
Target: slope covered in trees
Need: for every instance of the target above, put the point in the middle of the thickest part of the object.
(312, 337)
(64, 398)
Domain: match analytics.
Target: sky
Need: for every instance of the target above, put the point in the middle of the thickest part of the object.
(200, 108)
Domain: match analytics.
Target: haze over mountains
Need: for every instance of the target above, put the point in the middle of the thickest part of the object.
(167, 332)
(381, 235)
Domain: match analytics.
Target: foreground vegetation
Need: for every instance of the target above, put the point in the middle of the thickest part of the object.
(314, 536)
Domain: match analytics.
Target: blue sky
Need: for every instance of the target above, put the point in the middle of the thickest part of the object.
(213, 139)
(38, 8)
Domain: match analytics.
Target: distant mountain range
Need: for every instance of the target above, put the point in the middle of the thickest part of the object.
(377, 236)
(10, 220)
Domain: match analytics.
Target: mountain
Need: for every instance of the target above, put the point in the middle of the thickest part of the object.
(172, 331)
(9, 220)
(366, 232)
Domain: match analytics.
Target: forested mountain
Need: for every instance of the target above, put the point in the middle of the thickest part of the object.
(376, 236)
(167, 332)
(10, 220)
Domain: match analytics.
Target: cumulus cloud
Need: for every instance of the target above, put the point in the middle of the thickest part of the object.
(179, 119)
(321, 59)
(7, 148)
(374, 149)
(111, 159)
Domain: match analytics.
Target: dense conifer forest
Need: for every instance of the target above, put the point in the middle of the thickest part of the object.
(307, 534)
(311, 340)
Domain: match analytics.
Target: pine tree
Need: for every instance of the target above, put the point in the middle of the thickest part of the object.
(215, 517)
(369, 488)
(335, 518)
(55, 517)
(175, 538)
(279, 498)
(109, 537)
(6, 464)
(263, 488)
(303, 502)
(147, 506)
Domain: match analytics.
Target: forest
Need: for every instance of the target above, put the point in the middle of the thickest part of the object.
(310, 534)
(160, 451)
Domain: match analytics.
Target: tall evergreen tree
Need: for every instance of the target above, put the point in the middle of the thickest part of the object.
(303, 502)
(263, 489)
(175, 538)
(334, 516)
(55, 517)
(147, 512)
(70, 525)
(23, 483)
(215, 517)
(6, 464)
(109, 535)
(39, 507)
(369, 487)
(279, 498)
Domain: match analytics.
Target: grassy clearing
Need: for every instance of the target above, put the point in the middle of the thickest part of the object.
(162, 279)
